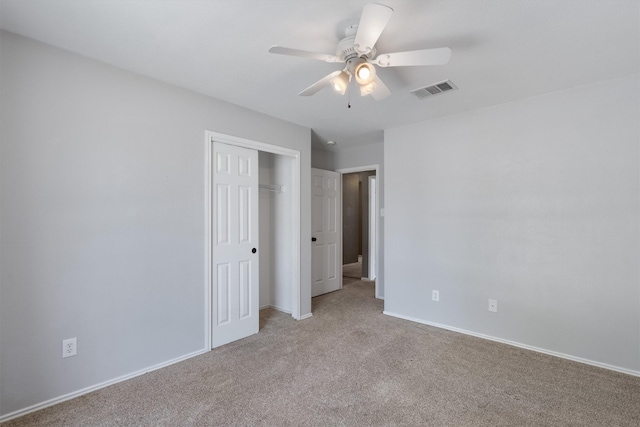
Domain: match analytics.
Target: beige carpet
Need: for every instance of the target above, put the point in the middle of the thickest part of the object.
(350, 365)
(353, 271)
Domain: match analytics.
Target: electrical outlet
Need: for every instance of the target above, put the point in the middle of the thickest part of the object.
(493, 305)
(69, 347)
(435, 295)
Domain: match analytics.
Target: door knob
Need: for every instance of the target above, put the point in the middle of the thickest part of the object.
(313, 239)
(254, 250)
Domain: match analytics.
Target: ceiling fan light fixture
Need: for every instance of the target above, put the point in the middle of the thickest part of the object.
(368, 88)
(357, 50)
(340, 82)
(365, 73)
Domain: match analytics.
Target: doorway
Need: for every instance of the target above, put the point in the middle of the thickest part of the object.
(288, 168)
(360, 239)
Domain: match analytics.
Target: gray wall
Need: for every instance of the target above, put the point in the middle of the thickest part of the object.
(102, 218)
(321, 159)
(533, 203)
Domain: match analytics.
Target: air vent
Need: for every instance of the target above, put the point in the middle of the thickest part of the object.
(434, 89)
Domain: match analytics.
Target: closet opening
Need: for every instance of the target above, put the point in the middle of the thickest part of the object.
(276, 232)
(230, 287)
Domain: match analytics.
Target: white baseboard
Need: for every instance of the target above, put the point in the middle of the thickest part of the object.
(275, 307)
(280, 309)
(304, 316)
(520, 345)
(95, 387)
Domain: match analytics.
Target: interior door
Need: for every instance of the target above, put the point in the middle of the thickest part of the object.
(235, 243)
(326, 223)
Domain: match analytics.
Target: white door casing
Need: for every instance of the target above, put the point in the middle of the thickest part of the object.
(235, 263)
(373, 209)
(326, 229)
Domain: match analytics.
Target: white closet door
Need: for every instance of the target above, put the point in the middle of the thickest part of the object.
(235, 295)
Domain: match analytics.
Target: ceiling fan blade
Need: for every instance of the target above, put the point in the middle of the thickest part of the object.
(374, 19)
(381, 91)
(303, 53)
(320, 84)
(437, 56)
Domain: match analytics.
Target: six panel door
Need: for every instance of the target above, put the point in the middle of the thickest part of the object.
(235, 263)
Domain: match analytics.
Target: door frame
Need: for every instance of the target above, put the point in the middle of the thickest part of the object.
(368, 168)
(210, 137)
(373, 223)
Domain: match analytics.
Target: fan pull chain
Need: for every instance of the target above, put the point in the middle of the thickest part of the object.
(349, 96)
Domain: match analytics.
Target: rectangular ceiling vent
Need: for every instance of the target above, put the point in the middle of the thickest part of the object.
(434, 89)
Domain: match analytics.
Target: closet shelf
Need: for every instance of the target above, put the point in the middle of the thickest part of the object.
(272, 188)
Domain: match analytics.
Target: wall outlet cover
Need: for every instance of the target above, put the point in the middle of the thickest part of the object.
(69, 347)
(493, 305)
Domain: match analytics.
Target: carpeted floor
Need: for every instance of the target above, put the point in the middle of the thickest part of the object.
(350, 365)
(353, 271)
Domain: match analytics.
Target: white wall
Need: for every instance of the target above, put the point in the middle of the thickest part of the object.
(282, 236)
(102, 218)
(276, 233)
(366, 155)
(265, 163)
(534, 203)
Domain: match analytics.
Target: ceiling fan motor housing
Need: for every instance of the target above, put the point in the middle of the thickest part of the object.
(347, 51)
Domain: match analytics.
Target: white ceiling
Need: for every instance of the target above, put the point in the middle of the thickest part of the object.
(503, 50)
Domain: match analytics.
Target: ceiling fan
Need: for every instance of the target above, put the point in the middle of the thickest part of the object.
(357, 51)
